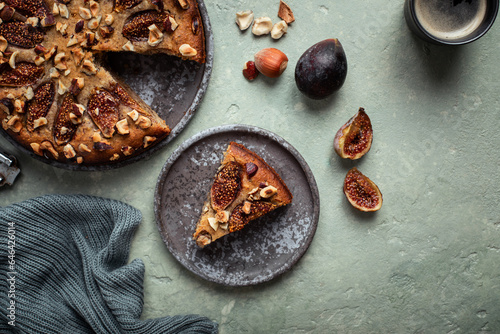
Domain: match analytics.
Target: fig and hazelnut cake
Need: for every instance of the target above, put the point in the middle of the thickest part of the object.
(57, 98)
(244, 189)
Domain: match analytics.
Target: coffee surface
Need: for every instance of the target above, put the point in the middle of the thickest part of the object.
(450, 19)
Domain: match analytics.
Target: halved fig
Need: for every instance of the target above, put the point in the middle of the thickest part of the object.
(103, 108)
(362, 192)
(239, 218)
(64, 128)
(21, 34)
(136, 26)
(125, 4)
(40, 105)
(25, 74)
(354, 139)
(226, 186)
(30, 8)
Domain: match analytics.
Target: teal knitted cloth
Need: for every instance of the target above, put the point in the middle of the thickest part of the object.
(63, 269)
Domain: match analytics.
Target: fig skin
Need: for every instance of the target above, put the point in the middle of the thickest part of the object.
(322, 69)
(362, 192)
(354, 138)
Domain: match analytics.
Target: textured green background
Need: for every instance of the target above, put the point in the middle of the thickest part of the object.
(427, 262)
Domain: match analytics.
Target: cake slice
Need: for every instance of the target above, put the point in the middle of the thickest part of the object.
(244, 189)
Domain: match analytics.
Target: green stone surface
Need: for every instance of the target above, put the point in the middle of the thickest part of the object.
(427, 262)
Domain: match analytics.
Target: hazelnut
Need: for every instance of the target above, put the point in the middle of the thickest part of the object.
(14, 123)
(69, 151)
(29, 94)
(134, 115)
(39, 60)
(122, 127)
(224, 226)
(51, 52)
(128, 46)
(85, 13)
(62, 88)
(48, 21)
(36, 149)
(148, 140)
(96, 137)
(247, 207)
(184, 4)
(79, 160)
(109, 19)
(54, 73)
(89, 67)
(12, 60)
(3, 44)
(127, 150)
(271, 62)
(155, 35)
(94, 23)
(106, 31)
(84, 148)
(187, 51)
(170, 24)
(222, 216)
(244, 19)
(143, 122)
(33, 21)
(63, 11)
(79, 26)
(19, 106)
(262, 26)
(39, 122)
(72, 41)
(47, 145)
(115, 157)
(279, 29)
(268, 192)
(55, 9)
(213, 223)
(94, 8)
(78, 55)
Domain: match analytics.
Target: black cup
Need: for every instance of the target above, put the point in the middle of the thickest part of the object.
(416, 27)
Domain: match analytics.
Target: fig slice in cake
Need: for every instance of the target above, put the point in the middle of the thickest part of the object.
(244, 189)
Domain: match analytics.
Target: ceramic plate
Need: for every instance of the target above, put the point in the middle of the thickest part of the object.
(262, 250)
(171, 86)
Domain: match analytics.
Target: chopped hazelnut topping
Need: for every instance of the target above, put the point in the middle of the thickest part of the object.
(224, 226)
(115, 156)
(52, 51)
(143, 122)
(127, 150)
(148, 140)
(55, 9)
(12, 60)
(54, 73)
(268, 192)
(79, 160)
(109, 19)
(89, 67)
(3, 44)
(72, 41)
(128, 46)
(36, 148)
(62, 88)
(213, 223)
(39, 122)
(187, 51)
(94, 8)
(69, 151)
(122, 127)
(222, 216)
(63, 11)
(96, 137)
(29, 93)
(84, 148)
(33, 21)
(19, 106)
(134, 115)
(47, 145)
(247, 207)
(94, 23)
(155, 35)
(85, 13)
(39, 60)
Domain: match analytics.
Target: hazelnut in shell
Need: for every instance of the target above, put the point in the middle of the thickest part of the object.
(271, 62)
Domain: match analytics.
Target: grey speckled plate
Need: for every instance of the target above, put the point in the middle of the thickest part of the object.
(173, 87)
(266, 247)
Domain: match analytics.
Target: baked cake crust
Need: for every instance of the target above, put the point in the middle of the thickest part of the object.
(56, 97)
(245, 188)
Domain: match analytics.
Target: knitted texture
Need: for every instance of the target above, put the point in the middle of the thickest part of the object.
(70, 273)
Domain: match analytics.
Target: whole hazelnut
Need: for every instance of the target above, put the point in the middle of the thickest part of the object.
(271, 62)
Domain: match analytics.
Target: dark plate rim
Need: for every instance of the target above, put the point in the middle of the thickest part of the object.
(207, 71)
(250, 130)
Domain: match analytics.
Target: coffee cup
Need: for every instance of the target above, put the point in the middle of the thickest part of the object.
(450, 22)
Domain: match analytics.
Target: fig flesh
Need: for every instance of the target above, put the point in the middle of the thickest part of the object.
(354, 138)
(322, 69)
(362, 192)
